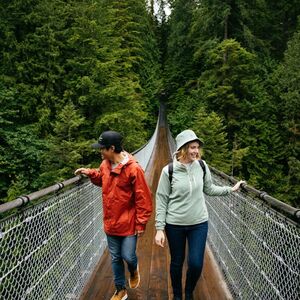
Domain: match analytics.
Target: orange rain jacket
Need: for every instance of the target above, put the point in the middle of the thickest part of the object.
(127, 201)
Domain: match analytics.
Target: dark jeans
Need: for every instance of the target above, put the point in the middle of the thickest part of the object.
(122, 248)
(196, 236)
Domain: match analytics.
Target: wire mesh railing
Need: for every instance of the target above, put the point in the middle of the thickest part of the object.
(257, 247)
(49, 250)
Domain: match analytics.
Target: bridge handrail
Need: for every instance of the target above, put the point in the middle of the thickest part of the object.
(23, 200)
(286, 209)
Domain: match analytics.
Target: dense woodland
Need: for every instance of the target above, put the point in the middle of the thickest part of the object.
(70, 69)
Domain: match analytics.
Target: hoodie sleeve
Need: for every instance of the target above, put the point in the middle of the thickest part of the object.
(143, 200)
(162, 199)
(213, 190)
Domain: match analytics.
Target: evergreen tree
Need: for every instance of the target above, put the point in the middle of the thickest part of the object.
(21, 148)
(126, 75)
(210, 127)
(179, 63)
(66, 147)
(282, 23)
(70, 70)
(162, 29)
(89, 60)
(234, 45)
(230, 87)
(249, 22)
(286, 81)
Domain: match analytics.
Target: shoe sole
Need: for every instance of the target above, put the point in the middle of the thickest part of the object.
(125, 297)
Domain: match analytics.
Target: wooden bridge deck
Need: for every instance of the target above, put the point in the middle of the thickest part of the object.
(153, 260)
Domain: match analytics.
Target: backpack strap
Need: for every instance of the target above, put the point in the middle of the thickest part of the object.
(203, 167)
(170, 169)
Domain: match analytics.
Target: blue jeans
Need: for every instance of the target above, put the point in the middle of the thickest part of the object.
(196, 236)
(122, 248)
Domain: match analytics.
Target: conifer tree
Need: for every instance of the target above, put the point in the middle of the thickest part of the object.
(209, 126)
(230, 86)
(66, 147)
(234, 45)
(249, 22)
(179, 68)
(124, 30)
(101, 56)
(287, 98)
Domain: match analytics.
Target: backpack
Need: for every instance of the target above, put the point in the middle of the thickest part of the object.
(170, 169)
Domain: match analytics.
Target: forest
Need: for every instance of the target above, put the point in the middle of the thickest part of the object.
(229, 70)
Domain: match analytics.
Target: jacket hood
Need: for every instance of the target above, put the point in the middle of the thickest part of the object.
(119, 167)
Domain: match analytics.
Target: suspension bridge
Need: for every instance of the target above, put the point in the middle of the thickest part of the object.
(53, 247)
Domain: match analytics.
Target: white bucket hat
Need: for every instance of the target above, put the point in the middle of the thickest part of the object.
(185, 137)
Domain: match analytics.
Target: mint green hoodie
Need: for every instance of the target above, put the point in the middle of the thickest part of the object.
(183, 203)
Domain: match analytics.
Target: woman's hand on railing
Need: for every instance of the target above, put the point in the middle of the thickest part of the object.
(84, 171)
(160, 238)
(237, 186)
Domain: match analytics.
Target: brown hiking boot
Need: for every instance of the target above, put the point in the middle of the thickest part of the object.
(120, 294)
(134, 279)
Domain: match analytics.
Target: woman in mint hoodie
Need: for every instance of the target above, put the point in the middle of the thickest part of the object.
(181, 211)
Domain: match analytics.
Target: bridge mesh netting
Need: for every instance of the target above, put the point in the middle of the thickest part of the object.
(257, 248)
(49, 250)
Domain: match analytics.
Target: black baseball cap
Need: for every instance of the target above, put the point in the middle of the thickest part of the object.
(109, 138)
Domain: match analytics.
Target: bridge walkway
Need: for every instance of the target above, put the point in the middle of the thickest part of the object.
(153, 260)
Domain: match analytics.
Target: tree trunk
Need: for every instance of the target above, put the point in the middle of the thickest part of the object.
(152, 7)
(225, 36)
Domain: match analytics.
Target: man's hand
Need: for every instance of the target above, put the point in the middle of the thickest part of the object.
(140, 233)
(160, 238)
(237, 186)
(82, 171)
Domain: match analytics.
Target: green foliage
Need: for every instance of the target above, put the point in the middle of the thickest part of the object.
(261, 26)
(227, 85)
(287, 99)
(233, 48)
(181, 107)
(209, 126)
(21, 165)
(293, 187)
(238, 157)
(70, 70)
(232, 88)
(179, 48)
(263, 164)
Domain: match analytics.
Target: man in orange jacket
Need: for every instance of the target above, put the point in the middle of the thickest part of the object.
(127, 206)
